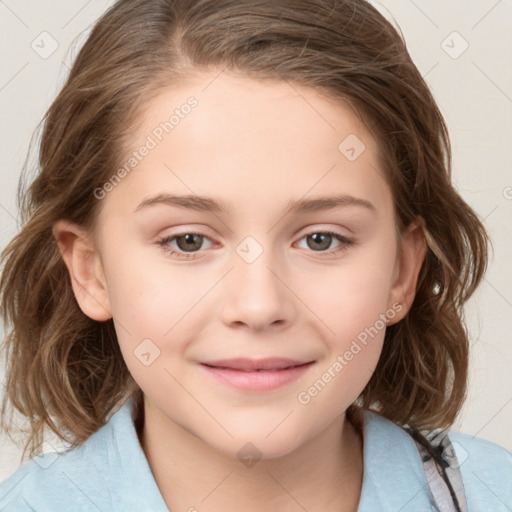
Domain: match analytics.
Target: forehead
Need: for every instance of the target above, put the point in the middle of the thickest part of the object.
(249, 110)
(231, 136)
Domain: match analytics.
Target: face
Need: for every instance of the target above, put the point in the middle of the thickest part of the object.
(285, 248)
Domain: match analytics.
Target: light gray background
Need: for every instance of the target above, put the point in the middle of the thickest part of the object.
(474, 91)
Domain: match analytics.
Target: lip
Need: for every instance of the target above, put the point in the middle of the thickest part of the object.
(256, 374)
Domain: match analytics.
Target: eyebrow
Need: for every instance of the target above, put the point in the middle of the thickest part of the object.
(207, 204)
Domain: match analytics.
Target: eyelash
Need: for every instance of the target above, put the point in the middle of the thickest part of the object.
(164, 243)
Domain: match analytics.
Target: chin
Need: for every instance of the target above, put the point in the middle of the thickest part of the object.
(256, 444)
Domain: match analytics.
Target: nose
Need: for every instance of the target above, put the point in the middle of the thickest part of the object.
(257, 295)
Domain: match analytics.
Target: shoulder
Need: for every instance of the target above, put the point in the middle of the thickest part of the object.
(109, 472)
(395, 479)
(41, 483)
(54, 480)
(486, 470)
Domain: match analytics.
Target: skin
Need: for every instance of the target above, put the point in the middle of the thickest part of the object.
(257, 146)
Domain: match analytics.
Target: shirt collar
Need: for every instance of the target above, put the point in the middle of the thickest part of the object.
(393, 479)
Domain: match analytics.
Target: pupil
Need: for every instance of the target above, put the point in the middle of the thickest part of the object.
(189, 239)
(319, 237)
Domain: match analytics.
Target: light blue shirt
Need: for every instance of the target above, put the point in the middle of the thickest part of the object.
(109, 472)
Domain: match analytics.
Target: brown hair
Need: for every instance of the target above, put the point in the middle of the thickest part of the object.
(65, 371)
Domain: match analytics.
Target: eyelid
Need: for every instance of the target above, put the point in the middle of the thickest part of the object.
(188, 230)
(324, 228)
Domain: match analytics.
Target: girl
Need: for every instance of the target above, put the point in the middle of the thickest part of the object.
(240, 279)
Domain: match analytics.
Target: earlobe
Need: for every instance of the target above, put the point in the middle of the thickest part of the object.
(84, 265)
(409, 262)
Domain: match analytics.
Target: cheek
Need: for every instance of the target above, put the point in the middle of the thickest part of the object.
(357, 321)
(158, 307)
(353, 295)
(354, 323)
(150, 296)
(352, 303)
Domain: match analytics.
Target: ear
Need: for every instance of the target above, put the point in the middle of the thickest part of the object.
(85, 269)
(410, 256)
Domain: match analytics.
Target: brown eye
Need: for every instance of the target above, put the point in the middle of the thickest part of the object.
(183, 245)
(320, 241)
(189, 242)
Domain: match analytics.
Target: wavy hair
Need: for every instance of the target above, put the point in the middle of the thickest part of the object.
(65, 371)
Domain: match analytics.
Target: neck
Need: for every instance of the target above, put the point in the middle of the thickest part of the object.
(325, 473)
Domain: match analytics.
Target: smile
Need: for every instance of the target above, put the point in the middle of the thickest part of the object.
(256, 375)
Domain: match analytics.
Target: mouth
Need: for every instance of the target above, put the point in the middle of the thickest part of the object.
(256, 375)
